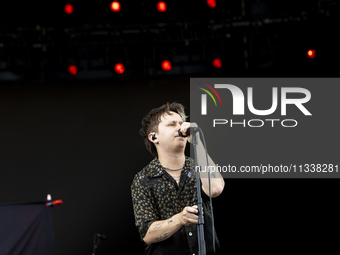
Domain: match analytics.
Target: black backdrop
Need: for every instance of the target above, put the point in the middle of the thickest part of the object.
(80, 143)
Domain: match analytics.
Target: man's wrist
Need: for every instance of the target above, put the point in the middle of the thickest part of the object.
(178, 218)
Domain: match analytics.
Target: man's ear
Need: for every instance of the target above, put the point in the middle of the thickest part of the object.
(152, 137)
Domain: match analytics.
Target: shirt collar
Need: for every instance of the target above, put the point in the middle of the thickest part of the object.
(155, 169)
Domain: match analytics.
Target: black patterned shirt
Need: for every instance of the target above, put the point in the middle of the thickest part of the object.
(156, 196)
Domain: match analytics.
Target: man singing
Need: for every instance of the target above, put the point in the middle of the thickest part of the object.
(164, 193)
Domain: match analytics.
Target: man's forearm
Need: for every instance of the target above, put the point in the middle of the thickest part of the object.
(162, 229)
(216, 179)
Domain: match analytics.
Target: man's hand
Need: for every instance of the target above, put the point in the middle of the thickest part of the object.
(189, 215)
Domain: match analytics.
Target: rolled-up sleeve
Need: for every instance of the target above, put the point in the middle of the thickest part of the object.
(143, 204)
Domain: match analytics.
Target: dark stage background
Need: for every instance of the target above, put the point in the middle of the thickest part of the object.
(80, 143)
(76, 136)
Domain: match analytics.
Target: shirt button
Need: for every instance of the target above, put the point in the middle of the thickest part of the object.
(190, 234)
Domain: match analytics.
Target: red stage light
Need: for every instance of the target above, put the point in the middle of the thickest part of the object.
(119, 68)
(115, 6)
(211, 3)
(161, 6)
(166, 65)
(217, 63)
(311, 54)
(72, 69)
(68, 8)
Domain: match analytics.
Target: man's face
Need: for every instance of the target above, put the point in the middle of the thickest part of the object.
(167, 134)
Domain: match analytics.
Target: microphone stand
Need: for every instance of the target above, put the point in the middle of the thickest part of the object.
(200, 226)
(96, 242)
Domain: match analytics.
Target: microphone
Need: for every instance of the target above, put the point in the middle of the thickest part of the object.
(102, 237)
(190, 130)
(53, 203)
